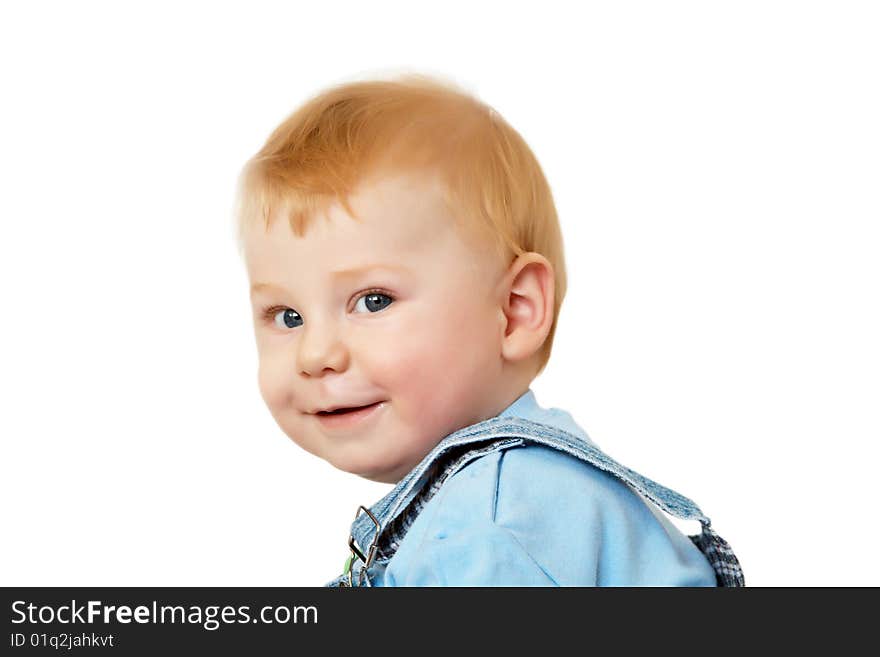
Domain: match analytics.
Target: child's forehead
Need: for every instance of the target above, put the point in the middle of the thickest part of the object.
(395, 226)
(401, 194)
(393, 213)
(403, 221)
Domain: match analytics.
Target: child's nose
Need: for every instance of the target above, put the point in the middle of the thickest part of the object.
(321, 349)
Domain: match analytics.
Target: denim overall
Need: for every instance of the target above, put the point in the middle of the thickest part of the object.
(382, 527)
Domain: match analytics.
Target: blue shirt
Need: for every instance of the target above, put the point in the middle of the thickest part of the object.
(537, 516)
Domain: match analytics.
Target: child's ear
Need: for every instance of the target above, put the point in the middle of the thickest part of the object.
(527, 304)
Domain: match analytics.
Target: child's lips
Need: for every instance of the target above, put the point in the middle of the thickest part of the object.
(349, 419)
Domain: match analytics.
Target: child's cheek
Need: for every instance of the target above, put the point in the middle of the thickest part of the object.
(396, 358)
(428, 367)
(275, 394)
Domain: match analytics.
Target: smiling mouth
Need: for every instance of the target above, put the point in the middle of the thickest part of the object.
(344, 411)
(350, 419)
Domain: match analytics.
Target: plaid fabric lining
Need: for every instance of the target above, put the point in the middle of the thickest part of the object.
(728, 571)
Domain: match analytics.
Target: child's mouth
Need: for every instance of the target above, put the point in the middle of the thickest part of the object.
(343, 411)
(348, 417)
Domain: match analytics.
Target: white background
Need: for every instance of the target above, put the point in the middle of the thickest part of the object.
(716, 169)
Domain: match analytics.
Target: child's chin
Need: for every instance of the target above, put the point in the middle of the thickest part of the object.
(370, 462)
(379, 475)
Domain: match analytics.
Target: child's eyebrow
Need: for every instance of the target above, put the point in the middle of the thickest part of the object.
(339, 275)
(358, 271)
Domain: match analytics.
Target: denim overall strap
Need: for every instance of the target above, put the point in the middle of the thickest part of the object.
(500, 433)
(717, 551)
(363, 530)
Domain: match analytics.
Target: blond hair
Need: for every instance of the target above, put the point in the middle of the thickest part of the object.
(335, 140)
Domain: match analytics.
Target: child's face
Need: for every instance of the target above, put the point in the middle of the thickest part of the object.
(425, 343)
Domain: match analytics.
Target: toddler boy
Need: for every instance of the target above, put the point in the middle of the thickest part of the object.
(407, 271)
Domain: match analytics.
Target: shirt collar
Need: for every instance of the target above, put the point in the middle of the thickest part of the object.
(523, 406)
(527, 406)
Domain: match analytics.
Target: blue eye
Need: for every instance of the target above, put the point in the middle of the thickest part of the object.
(374, 301)
(283, 317)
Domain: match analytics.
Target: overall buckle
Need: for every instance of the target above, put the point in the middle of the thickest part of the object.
(356, 553)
